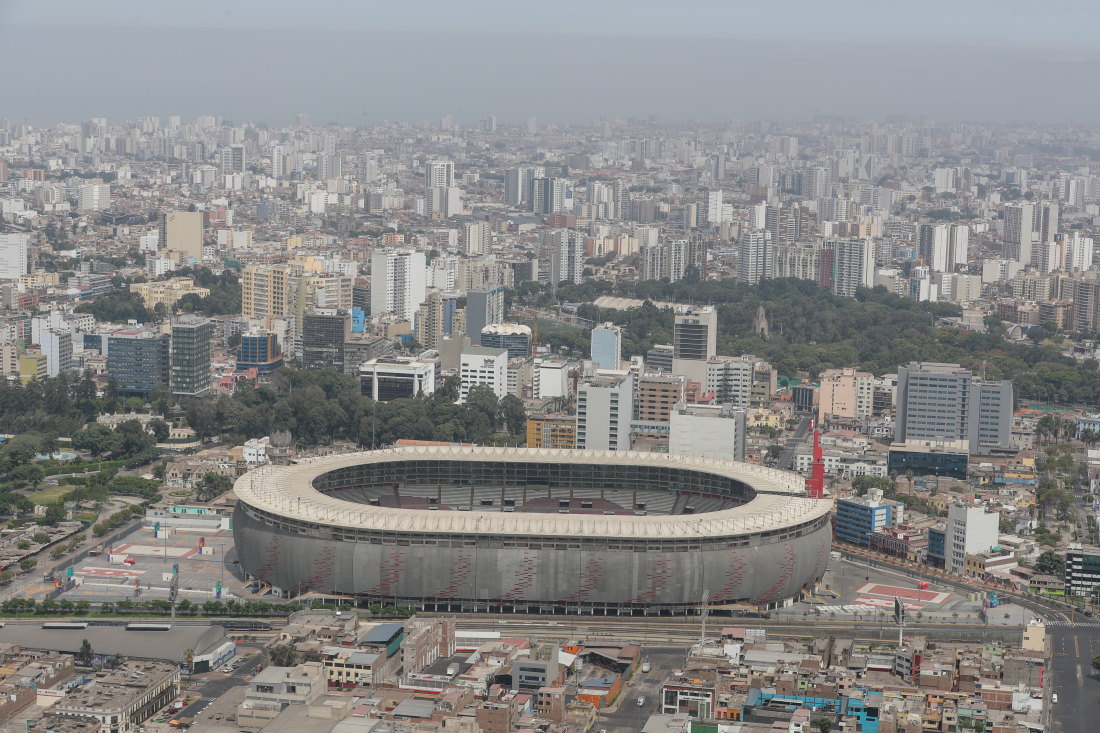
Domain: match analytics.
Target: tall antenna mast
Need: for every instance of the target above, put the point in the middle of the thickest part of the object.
(703, 609)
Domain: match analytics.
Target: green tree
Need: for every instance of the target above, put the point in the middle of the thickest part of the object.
(514, 414)
(1051, 563)
(86, 654)
(202, 417)
(212, 486)
(281, 655)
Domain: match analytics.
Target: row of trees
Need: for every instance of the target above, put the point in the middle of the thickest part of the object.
(320, 407)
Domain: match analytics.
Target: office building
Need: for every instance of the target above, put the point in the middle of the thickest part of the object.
(857, 517)
(398, 282)
(605, 405)
(1082, 571)
(484, 306)
(659, 358)
(970, 530)
(14, 255)
(259, 351)
(394, 378)
(513, 337)
(694, 340)
(551, 196)
(323, 338)
(191, 337)
(138, 361)
(433, 319)
(845, 393)
(944, 402)
(707, 431)
(607, 346)
(552, 431)
(480, 365)
(181, 231)
(551, 378)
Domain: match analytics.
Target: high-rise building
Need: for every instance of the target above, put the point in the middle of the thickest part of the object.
(740, 381)
(57, 346)
(1082, 570)
(970, 530)
(845, 393)
(710, 214)
(397, 282)
(483, 307)
(268, 291)
(565, 249)
(695, 334)
(1019, 231)
(707, 431)
(552, 431)
(754, 256)
(944, 402)
(439, 174)
(605, 405)
(655, 396)
(181, 231)
(138, 361)
(323, 337)
(191, 337)
(551, 196)
(433, 320)
(480, 365)
(847, 265)
(475, 238)
(518, 185)
(607, 346)
(95, 197)
(14, 255)
(233, 159)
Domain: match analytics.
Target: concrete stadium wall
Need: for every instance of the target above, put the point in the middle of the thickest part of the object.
(489, 577)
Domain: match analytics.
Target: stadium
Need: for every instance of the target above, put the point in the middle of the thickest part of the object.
(451, 528)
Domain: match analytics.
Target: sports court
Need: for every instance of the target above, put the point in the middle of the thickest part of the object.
(108, 572)
(154, 551)
(935, 598)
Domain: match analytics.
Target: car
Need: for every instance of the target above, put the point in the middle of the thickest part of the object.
(1054, 697)
(641, 701)
(646, 666)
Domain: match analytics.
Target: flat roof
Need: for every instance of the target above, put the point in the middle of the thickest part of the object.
(117, 640)
(287, 491)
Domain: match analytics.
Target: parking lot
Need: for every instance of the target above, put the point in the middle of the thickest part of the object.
(139, 565)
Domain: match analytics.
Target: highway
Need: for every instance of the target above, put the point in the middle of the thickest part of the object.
(786, 461)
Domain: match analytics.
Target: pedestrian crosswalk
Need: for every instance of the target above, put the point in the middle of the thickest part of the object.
(1076, 625)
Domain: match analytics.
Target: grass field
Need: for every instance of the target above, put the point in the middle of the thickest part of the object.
(50, 494)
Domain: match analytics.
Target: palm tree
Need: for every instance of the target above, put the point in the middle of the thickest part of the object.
(189, 660)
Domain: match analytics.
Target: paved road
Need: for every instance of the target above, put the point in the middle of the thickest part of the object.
(786, 461)
(626, 716)
(1072, 677)
(213, 689)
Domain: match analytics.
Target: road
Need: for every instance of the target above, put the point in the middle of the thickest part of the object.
(213, 689)
(1072, 677)
(786, 461)
(626, 716)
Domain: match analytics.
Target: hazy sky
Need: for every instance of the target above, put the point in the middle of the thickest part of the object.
(567, 60)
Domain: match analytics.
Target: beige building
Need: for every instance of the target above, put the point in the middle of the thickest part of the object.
(167, 292)
(845, 393)
(181, 231)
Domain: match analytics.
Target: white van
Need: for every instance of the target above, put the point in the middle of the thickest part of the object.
(646, 666)
(641, 701)
(1054, 697)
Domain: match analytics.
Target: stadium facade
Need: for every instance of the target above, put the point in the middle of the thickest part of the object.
(543, 531)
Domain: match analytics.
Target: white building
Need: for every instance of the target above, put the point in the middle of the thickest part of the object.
(13, 255)
(483, 365)
(394, 377)
(970, 530)
(95, 197)
(551, 378)
(58, 349)
(397, 282)
(709, 431)
(605, 406)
